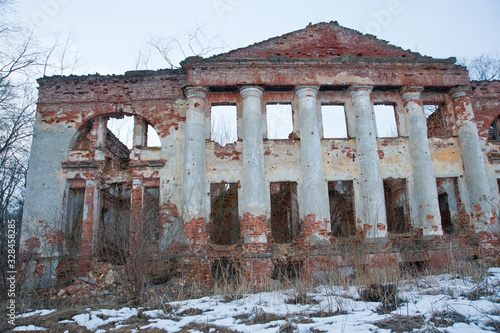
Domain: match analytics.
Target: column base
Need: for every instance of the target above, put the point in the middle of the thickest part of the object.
(316, 231)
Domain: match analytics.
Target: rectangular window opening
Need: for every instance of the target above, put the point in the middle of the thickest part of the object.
(449, 204)
(396, 205)
(436, 121)
(334, 121)
(224, 219)
(151, 213)
(75, 220)
(493, 134)
(342, 216)
(285, 226)
(385, 120)
(114, 224)
(224, 120)
(279, 121)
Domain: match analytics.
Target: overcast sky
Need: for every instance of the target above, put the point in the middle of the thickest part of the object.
(109, 33)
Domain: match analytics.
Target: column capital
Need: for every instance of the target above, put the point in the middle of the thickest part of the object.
(301, 91)
(136, 182)
(408, 92)
(196, 92)
(90, 183)
(360, 89)
(247, 91)
(458, 92)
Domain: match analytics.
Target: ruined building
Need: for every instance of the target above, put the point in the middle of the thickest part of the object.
(381, 148)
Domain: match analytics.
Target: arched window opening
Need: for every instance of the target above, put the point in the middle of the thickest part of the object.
(83, 140)
(152, 139)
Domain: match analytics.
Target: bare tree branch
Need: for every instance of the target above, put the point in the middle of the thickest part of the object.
(172, 49)
(483, 67)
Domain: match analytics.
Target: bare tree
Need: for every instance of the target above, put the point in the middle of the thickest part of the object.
(483, 67)
(172, 49)
(22, 59)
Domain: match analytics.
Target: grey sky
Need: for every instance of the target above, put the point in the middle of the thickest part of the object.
(109, 33)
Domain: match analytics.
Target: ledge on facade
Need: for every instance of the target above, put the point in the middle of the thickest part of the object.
(127, 74)
(147, 164)
(193, 61)
(79, 165)
(258, 255)
(493, 156)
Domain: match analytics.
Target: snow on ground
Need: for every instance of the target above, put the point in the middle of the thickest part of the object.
(440, 303)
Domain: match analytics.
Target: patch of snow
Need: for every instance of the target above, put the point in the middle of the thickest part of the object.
(28, 328)
(35, 313)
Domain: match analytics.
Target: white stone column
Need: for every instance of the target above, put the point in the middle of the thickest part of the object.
(472, 155)
(194, 182)
(139, 137)
(140, 132)
(101, 134)
(253, 183)
(253, 202)
(424, 182)
(372, 211)
(314, 208)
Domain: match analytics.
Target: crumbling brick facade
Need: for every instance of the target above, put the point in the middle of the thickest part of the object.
(432, 179)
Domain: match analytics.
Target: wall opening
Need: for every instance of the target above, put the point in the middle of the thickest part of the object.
(152, 137)
(224, 220)
(396, 206)
(83, 140)
(334, 121)
(226, 270)
(123, 129)
(286, 270)
(436, 120)
(385, 120)
(76, 202)
(224, 120)
(342, 216)
(285, 226)
(279, 119)
(114, 224)
(122, 126)
(449, 204)
(444, 210)
(151, 213)
(493, 134)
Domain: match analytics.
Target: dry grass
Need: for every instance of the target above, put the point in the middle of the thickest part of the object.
(447, 318)
(372, 285)
(258, 316)
(494, 324)
(206, 328)
(301, 298)
(192, 312)
(51, 321)
(400, 323)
